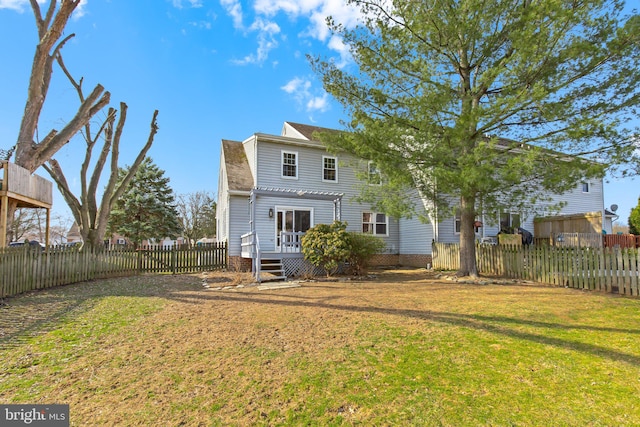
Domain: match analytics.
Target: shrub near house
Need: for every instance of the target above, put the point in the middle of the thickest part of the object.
(327, 246)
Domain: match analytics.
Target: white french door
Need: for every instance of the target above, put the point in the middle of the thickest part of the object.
(290, 223)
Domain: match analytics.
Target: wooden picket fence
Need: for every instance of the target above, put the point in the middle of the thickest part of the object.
(26, 268)
(615, 270)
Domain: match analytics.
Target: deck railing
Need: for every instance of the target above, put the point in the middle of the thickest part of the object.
(291, 241)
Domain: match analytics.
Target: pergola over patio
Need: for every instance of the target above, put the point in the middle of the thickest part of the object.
(18, 185)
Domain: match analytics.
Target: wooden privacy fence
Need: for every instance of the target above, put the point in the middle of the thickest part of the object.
(614, 270)
(25, 268)
(592, 240)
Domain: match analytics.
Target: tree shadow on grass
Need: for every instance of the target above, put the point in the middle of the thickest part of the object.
(37, 312)
(499, 325)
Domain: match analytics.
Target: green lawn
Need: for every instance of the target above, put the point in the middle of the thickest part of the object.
(402, 349)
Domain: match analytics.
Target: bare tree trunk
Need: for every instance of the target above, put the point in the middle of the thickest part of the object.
(468, 265)
(91, 219)
(31, 153)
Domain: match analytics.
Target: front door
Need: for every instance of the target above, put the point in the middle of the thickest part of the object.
(291, 220)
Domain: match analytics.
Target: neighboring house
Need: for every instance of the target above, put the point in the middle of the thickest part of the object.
(273, 188)
(73, 235)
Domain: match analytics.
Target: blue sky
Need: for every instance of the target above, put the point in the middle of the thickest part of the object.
(215, 69)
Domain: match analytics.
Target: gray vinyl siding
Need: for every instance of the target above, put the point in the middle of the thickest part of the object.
(238, 223)
(415, 236)
(579, 202)
(310, 178)
(576, 202)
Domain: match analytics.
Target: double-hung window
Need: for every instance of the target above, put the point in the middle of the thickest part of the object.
(289, 164)
(329, 169)
(375, 223)
(509, 221)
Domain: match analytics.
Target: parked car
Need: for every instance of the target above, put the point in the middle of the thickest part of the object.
(32, 243)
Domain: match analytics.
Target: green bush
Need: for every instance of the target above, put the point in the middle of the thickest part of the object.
(363, 247)
(327, 246)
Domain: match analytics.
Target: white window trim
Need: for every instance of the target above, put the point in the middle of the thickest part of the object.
(335, 159)
(297, 164)
(374, 214)
(511, 214)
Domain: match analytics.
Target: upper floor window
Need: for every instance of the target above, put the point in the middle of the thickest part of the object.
(329, 169)
(289, 164)
(374, 223)
(375, 177)
(509, 221)
(585, 187)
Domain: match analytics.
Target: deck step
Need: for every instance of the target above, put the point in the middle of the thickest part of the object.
(271, 270)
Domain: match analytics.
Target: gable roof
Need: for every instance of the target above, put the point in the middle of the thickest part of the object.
(307, 131)
(239, 176)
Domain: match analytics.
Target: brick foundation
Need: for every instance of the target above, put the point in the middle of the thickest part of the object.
(416, 260)
(237, 263)
(380, 260)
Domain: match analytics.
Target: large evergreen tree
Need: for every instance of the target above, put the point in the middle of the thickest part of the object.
(634, 219)
(147, 208)
(474, 100)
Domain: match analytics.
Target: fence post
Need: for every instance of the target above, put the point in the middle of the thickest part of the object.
(174, 259)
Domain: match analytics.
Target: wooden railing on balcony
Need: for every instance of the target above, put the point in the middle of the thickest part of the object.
(19, 186)
(18, 183)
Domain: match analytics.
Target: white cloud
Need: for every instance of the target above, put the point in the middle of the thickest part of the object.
(267, 30)
(203, 25)
(315, 12)
(80, 10)
(13, 4)
(191, 3)
(296, 85)
(18, 5)
(300, 90)
(318, 103)
(234, 10)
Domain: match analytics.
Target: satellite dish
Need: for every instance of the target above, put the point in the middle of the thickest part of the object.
(614, 207)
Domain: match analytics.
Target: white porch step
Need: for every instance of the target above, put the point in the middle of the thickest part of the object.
(271, 270)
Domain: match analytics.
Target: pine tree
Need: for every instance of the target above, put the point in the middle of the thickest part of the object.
(473, 100)
(634, 219)
(147, 209)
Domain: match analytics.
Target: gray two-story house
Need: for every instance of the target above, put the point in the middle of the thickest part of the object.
(273, 188)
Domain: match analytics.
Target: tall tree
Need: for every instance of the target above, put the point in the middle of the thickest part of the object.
(147, 208)
(92, 217)
(472, 101)
(634, 219)
(30, 151)
(197, 213)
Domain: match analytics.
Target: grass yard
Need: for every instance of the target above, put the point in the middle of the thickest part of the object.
(403, 348)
